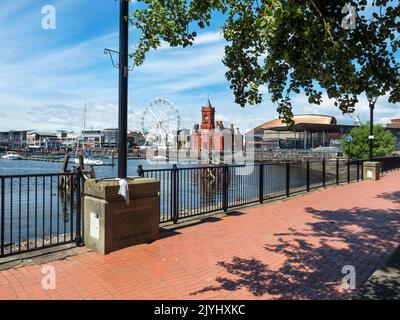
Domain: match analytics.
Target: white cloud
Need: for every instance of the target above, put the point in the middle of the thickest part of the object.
(383, 109)
(47, 78)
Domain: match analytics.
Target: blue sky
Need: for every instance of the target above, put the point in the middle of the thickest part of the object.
(46, 76)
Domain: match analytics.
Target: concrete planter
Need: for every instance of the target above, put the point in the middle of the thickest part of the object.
(110, 224)
(372, 170)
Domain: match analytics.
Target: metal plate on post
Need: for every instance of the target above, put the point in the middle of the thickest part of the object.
(94, 225)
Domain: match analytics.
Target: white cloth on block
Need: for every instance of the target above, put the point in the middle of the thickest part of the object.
(124, 190)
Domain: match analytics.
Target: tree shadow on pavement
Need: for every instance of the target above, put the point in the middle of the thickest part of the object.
(315, 254)
(384, 283)
(392, 196)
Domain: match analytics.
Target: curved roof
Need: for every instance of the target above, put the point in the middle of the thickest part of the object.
(302, 118)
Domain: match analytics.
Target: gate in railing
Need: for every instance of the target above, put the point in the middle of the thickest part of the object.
(187, 192)
(38, 211)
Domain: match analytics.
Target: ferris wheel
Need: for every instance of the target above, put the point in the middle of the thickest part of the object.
(160, 120)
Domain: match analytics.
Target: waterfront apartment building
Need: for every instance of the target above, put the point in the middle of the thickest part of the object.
(91, 139)
(64, 139)
(36, 140)
(110, 138)
(136, 138)
(67, 139)
(107, 139)
(13, 139)
(43, 140)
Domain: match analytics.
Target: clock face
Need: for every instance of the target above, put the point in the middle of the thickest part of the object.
(205, 118)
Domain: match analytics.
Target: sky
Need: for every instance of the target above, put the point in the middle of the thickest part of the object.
(47, 76)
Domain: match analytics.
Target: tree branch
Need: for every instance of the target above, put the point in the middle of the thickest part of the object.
(326, 24)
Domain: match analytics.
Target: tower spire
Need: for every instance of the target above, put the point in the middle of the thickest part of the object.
(208, 102)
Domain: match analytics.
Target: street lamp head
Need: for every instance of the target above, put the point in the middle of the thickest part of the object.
(372, 96)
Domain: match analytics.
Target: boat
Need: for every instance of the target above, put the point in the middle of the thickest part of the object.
(87, 160)
(159, 158)
(90, 162)
(11, 156)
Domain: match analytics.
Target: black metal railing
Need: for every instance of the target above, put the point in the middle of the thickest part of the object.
(187, 192)
(44, 210)
(389, 163)
(38, 211)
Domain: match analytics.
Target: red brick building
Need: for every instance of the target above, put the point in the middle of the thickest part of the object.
(212, 136)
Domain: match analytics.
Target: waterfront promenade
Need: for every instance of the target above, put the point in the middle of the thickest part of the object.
(292, 249)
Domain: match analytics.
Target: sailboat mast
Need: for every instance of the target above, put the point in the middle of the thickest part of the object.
(84, 128)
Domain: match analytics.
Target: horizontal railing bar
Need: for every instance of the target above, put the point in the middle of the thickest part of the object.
(17, 176)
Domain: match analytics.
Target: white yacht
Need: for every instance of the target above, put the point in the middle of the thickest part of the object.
(159, 158)
(11, 156)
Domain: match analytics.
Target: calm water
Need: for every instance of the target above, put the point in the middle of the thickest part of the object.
(37, 167)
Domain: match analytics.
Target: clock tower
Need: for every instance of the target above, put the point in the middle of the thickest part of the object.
(208, 117)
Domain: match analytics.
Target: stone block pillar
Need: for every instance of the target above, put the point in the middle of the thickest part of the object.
(110, 224)
(372, 170)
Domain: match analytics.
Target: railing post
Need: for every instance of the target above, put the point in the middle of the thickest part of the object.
(288, 179)
(348, 170)
(362, 170)
(78, 231)
(308, 175)
(261, 180)
(3, 211)
(323, 172)
(140, 171)
(174, 189)
(225, 187)
(358, 170)
(337, 171)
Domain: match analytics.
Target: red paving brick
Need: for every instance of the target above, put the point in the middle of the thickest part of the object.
(292, 249)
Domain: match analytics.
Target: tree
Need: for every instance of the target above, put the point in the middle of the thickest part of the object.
(289, 46)
(384, 144)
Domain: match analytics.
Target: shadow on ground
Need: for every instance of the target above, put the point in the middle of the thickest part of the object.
(384, 283)
(315, 255)
(391, 196)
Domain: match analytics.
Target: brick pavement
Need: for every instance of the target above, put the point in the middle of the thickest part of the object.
(292, 249)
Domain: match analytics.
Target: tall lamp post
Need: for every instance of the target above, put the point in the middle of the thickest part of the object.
(123, 89)
(372, 102)
(124, 69)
